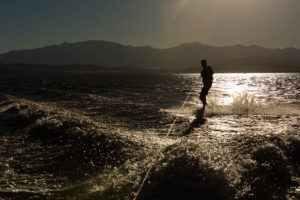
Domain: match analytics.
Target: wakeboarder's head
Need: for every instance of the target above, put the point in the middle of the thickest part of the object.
(204, 63)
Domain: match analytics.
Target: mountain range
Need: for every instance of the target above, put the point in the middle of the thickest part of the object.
(184, 57)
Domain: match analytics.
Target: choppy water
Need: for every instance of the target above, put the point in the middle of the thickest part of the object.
(93, 136)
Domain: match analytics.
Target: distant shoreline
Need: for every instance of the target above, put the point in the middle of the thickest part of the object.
(107, 56)
(119, 69)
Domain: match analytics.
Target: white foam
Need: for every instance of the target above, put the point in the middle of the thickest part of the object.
(245, 104)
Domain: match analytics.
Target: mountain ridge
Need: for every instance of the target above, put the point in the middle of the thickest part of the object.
(181, 57)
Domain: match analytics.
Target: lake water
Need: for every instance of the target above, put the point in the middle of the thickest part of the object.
(91, 135)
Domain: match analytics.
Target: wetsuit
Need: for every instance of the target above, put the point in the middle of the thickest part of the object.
(207, 78)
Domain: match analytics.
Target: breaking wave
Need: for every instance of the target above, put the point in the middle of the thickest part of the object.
(60, 146)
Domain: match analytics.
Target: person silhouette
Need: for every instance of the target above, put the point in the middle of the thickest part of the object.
(207, 79)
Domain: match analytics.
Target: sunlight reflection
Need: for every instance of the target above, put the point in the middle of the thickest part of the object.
(226, 87)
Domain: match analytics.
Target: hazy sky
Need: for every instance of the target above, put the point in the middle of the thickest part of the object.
(160, 23)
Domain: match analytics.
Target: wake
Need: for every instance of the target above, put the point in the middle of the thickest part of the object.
(245, 104)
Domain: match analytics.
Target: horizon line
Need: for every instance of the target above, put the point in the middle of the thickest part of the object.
(138, 46)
